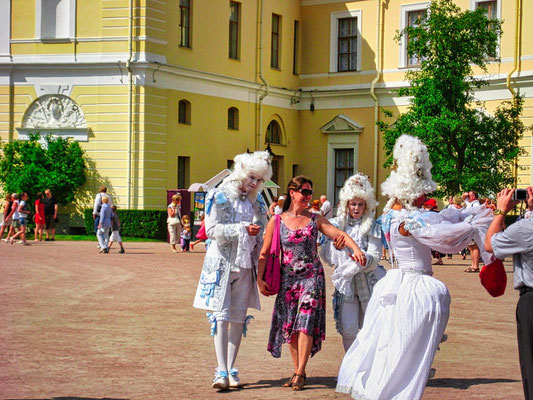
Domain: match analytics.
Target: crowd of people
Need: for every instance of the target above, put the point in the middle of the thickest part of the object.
(391, 322)
(17, 214)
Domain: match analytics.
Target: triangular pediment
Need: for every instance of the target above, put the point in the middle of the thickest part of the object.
(342, 124)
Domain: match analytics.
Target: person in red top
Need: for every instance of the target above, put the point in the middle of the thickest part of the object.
(39, 217)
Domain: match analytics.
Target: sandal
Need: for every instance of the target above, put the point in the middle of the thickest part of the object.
(472, 269)
(299, 383)
(289, 382)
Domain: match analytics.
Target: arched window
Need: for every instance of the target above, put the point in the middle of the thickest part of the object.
(273, 134)
(233, 118)
(184, 112)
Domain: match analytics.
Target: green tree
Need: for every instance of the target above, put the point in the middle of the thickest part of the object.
(28, 166)
(469, 149)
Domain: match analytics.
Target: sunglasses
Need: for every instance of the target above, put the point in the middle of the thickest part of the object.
(306, 192)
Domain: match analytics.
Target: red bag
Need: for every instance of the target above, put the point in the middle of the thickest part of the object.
(494, 278)
(273, 266)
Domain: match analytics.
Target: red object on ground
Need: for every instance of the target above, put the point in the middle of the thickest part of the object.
(494, 278)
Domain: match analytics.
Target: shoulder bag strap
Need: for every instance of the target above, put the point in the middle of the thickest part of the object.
(275, 246)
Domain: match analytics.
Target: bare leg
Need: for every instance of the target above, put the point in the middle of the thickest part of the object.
(293, 347)
(475, 257)
(305, 342)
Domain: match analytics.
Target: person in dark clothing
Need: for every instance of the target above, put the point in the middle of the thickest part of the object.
(50, 215)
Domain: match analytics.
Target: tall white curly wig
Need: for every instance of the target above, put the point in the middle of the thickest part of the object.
(357, 186)
(411, 173)
(257, 163)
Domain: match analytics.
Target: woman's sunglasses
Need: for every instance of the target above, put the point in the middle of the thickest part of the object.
(306, 192)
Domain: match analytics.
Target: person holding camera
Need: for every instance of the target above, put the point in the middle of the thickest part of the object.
(517, 241)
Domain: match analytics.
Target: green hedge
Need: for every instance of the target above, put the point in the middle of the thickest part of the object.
(151, 224)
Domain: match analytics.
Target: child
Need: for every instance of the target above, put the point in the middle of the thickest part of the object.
(201, 235)
(115, 235)
(185, 233)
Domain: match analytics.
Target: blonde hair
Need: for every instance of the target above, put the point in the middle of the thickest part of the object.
(105, 199)
(175, 197)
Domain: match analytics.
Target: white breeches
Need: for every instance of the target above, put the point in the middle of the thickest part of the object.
(237, 298)
(352, 314)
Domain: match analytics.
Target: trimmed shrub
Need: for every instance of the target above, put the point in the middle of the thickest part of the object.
(151, 224)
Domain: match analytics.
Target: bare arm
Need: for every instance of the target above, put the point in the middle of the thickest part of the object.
(505, 203)
(331, 231)
(171, 211)
(265, 250)
(55, 211)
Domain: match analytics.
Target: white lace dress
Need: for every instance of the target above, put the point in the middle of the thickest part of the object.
(408, 311)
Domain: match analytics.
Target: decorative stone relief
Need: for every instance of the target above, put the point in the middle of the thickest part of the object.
(54, 111)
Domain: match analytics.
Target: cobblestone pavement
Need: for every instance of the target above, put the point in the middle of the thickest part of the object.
(76, 324)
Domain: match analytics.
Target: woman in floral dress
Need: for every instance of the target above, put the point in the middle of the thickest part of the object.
(299, 316)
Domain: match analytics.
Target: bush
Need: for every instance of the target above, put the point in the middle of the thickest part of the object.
(151, 224)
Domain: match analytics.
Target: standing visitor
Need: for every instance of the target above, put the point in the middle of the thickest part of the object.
(13, 216)
(517, 241)
(50, 215)
(104, 225)
(40, 218)
(185, 233)
(353, 284)
(24, 212)
(174, 221)
(6, 223)
(327, 208)
(299, 316)
(115, 231)
(98, 205)
(408, 311)
(235, 220)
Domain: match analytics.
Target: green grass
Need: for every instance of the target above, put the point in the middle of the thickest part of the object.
(92, 238)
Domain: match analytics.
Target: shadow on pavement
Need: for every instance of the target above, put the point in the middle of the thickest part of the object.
(313, 382)
(462, 383)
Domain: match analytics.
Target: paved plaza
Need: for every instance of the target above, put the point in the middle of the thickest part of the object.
(76, 324)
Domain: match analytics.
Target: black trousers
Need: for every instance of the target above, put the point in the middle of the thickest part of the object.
(524, 324)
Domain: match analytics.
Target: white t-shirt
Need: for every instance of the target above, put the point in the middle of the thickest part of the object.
(16, 204)
(474, 203)
(326, 209)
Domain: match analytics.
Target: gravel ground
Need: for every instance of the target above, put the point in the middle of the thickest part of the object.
(76, 324)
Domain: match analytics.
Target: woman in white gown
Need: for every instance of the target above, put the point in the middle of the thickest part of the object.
(408, 311)
(353, 284)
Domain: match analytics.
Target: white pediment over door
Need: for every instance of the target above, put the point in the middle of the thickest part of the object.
(342, 124)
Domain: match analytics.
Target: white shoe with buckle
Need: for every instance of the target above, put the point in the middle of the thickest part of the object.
(221, 380)
(234, 381)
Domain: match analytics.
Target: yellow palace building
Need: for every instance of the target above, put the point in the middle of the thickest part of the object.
(164, 93)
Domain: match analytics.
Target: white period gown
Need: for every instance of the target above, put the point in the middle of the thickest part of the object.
(407, 313)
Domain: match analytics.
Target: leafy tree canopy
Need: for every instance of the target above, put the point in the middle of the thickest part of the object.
(469, 149)
(28, 166)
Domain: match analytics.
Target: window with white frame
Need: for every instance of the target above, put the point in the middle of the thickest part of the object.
(344, 168)
(491, 7)
(55, 19)
(412, 15)
(345, 41)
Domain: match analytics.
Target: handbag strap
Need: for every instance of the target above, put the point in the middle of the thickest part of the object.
(275, 246)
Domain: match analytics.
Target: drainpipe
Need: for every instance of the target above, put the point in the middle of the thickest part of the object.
(130, 100)
(260, 74)
(375, 98)
(518, 29)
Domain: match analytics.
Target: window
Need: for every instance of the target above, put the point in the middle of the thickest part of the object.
(274, 42)
(296, 49)
(490, 6)
(345, 41)
(347, 47)
(185, 23)
(229, 164)
(234, 17)
(55, 19)
(233, 118)
(183, 172)
(344, 168)
(276, 164)
(184, 112)
(273, 134)
(412, 15)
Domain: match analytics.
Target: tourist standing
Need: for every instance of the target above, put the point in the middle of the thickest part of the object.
(104, 225)
(6, 223)
(174, 221)
(235, 220)
(299, 316)
(98, 205)
(326, 208)
(353, 283)
(40, 217)
(50, 215)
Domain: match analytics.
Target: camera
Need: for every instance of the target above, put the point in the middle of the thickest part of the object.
(520, 195)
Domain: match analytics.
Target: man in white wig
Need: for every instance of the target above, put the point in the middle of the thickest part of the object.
(408, 311)
(235, 220)
(354, 284)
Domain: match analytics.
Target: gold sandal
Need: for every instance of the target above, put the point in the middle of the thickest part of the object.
(289, 382)
(299, 383)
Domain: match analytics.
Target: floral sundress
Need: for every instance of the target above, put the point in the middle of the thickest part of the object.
(300, 304)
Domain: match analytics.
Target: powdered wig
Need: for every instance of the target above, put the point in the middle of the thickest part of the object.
(410, 177)
(357, 186)
(257, 164)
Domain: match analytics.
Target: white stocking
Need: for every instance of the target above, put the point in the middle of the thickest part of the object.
(235, 336)
(221, 344)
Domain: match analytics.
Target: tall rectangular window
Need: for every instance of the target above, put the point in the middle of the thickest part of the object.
(490, 6)
(234, 20)
(414, 19)
(347, 45)
(296, 49)
(183, 172)
(343, 169)
(274, 42)
(55, 19)
(185, 23)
